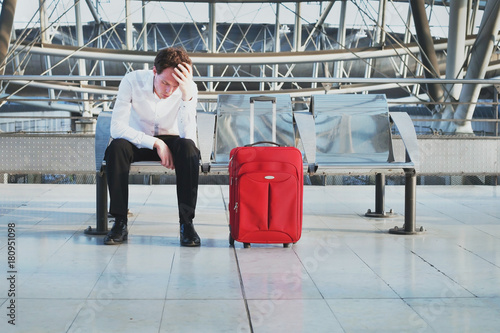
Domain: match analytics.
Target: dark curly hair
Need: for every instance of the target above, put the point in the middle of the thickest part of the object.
(170, 57)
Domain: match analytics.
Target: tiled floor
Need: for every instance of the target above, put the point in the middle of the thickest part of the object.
(346, 274)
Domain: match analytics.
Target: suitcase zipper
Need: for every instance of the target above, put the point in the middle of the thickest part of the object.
(236, 207)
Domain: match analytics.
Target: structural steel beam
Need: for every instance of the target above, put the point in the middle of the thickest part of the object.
(6, 22)
(435, 2)
(456, 45)
(341, 39)
(346, 80)
(236, 1)
(321, 21)
(93, 11)
(480, 56)
(297, 31)
(237, 58)
(429, 58)
(455, 60)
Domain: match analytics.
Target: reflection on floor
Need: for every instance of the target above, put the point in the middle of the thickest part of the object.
(346, 274)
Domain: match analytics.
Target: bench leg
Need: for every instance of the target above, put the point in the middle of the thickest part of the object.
(379, 199)
(409, 228)
(101, 206)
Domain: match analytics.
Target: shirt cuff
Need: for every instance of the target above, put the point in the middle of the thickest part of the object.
(148, 141)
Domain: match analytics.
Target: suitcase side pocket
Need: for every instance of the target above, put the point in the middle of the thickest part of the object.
(284, 205)
(252, 204)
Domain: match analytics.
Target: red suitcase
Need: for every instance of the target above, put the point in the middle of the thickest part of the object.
(265, 194)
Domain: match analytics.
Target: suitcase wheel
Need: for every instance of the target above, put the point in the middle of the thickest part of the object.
(286, 245)
(231, 240)
(247, 245)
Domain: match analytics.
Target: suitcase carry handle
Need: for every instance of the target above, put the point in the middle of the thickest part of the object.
(262, 98)
(263, 142)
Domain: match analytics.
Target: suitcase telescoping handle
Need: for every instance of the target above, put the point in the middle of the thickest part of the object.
(254, 99)
(263, 99)
(262, 143)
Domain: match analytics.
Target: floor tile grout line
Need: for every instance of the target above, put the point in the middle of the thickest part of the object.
(240, 276)
(166, 292)
(477, 255)
(242, 288)
(442, 272)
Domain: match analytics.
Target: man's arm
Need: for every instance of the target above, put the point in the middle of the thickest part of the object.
(183, 74)
(120, 121)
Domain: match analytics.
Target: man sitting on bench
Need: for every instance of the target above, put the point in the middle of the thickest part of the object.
(154, 119)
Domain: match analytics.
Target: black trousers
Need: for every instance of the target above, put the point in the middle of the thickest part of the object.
(121, 153)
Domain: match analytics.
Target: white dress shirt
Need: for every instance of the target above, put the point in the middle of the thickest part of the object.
(139, 114)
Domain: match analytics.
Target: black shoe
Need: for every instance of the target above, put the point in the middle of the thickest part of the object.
(117, 234)
(189, 236)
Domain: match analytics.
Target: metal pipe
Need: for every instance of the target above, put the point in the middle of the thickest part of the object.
(480, 56)
(455, 57)
(144, 31)
(409, 227)
(379, 199)
(211, 95)
(67, 87)
(155, 37)
(237, 58)
(320, 22)
(496, 108)
(379, 39)
(48, 105)
(93, 11)
(380, 29)
(380, 193)
(101, 206)
(341, 38)
(128, 25)
(473, 10)
(212, 39)
(403, 70)
(429, 58)
(298, 79)
(6, 22)
(212, 29)
(44, 22)
(82, 69)
(17, 64)
(102, 68)
(297, 31)
(456, 45)
(410, 201)
(277, 40)
(79, 27)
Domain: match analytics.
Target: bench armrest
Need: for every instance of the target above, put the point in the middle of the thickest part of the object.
(307, 133)
(102, 137)
(206, 138)
(407, 131)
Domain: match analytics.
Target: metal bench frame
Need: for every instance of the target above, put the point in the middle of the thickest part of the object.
(306, 130)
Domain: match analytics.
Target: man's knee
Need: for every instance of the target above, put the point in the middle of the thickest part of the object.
(118, 144)
(186, 147)
(118, 147)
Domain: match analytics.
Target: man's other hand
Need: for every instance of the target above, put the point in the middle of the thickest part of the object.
(164, 153)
